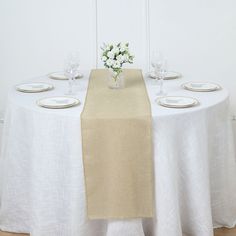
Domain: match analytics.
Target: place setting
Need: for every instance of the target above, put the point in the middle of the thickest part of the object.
(70, 74)
(177, 102)
(201, 86)
(58, 102)
(34, 87)
(169, 76)
(157, 63)
(60, 75)
(161, 73)
(184, 101)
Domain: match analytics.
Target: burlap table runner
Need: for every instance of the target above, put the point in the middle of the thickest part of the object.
(117, 148)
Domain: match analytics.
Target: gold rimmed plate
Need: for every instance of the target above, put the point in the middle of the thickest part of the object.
(177, 102)
(58, 102)
(61, 76)
(201, 86)
(35, 87)
(170, 75)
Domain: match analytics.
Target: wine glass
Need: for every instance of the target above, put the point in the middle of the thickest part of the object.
(71, 71)
(156, 62)
(162, 74)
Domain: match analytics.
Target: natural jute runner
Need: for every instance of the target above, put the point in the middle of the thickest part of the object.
(117, 148)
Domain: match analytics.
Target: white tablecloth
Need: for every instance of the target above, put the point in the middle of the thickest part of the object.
(42, 181)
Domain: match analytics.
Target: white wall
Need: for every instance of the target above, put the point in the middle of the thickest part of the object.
(234, 128)
(1, 128)
(197, 36)
(124, 21)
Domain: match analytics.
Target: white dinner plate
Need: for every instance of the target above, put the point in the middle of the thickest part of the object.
(177, 102)
(201, 86)
(58, 102)
(61, 76)
(170, 75)
(34, 87)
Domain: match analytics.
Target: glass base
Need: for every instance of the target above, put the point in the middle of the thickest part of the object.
(161, 94)
(115, 86)
(70, 91)
(116, 83)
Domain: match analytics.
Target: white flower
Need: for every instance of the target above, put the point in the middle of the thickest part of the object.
(104, 58)
(123, 47)
(120, 58)
(115, 55)
(115, 50)
(108, 47)
(116, 65)
(126, 57)
(110, 55)
(109, 62)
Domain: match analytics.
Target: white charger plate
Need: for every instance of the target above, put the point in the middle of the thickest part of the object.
(201, 86)
(34, 87)
(61, 76)
(58, 102)
(170, 75)
(177, 102)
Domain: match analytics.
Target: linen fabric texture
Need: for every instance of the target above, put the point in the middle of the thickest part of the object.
(117, 148)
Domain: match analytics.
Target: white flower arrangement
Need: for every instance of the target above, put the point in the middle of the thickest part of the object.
(115, 55)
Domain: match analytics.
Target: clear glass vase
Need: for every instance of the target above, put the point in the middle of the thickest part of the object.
(115, 81)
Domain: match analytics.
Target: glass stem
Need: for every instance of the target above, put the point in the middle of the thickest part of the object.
(161, 85)
(70, 83)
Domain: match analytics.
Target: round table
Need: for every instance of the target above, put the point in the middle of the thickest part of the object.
(42, 182)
